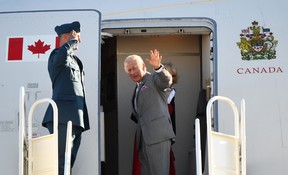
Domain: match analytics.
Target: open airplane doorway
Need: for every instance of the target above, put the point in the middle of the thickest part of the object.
(189, 48)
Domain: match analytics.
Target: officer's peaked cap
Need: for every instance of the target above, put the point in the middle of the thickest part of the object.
(67, 28)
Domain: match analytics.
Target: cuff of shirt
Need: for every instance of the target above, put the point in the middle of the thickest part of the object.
(158, 70)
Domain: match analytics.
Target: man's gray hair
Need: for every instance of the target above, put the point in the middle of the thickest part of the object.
(136, 58)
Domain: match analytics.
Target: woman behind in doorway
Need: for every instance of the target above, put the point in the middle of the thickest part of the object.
(171, 106)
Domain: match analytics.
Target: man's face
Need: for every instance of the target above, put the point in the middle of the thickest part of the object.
(135, 71)
(66, 37)
(78, 37)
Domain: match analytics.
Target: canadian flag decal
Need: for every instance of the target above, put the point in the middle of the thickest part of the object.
(15, 49)
(31, 48)
(39, 48)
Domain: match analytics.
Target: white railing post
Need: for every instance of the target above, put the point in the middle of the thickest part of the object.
(69, 144)
(22, 133)
(243, 137)
(198, 147)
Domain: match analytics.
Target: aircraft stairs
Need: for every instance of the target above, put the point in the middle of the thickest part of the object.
(226, 153)
(39, 156)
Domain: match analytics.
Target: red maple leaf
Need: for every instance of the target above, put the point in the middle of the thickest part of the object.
(38, 47)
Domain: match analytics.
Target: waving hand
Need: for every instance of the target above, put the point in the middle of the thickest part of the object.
(155, 59)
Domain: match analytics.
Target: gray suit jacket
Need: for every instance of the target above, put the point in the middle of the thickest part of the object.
(152, 113)
(66, 73)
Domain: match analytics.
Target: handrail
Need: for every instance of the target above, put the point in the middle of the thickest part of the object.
(198, 148)
(69, 144)
(209, 126)
(55, 127)
(22, 134)
(234, 108)
(55, 114)
(243, 137)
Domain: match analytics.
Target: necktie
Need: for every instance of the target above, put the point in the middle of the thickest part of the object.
(135, 97)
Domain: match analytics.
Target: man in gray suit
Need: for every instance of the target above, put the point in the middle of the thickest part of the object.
(66, 74)
(150, 111)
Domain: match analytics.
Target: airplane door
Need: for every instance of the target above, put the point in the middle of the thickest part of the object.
(27, 39)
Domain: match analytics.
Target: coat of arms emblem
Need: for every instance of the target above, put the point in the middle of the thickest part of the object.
(257, 43)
